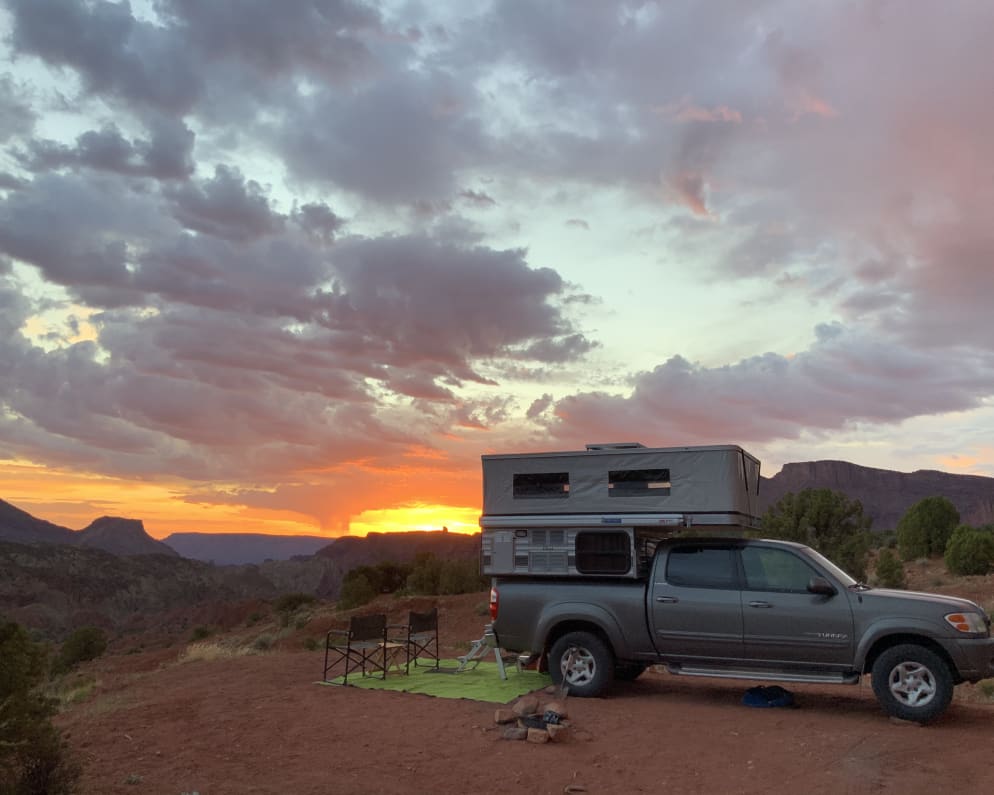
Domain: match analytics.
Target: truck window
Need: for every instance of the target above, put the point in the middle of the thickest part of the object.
(701, 567)
(769, 569)
(638, 482)
(541, 485)
(603, 553)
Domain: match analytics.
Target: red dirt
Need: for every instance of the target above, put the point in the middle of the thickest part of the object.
(259, 724)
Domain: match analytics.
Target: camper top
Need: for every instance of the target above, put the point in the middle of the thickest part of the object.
(622, 483)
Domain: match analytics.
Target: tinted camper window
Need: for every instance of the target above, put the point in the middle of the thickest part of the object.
(541, 485)
(638, 482)
(603, 553)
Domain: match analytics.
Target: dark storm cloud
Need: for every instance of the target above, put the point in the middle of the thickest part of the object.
(417, 300)
(400, 139)
(166, 155)
(226, 206)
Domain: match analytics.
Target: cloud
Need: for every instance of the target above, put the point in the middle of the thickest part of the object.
(226, 206)
(17, 118)
(845, 378)
(167, 155)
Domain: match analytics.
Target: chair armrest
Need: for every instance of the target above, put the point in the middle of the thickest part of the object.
(342, 633)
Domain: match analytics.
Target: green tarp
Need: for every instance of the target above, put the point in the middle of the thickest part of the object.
(482, 683)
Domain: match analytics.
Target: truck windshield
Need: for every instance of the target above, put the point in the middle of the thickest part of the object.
(830, 567)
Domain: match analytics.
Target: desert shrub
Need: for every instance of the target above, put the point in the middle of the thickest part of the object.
(884, 540)
(827, 521)
(211, 650)
(356, 591)
(432, 576)
(33, 756)
(291, 602)
(986, 688)
(254, 618)
(86, 643)
(264, 642)
(926, 527)
(201, 633)
(311, 644)
(970, 551)
(890, 570)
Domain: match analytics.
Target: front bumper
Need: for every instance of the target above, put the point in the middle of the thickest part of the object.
(974, 658)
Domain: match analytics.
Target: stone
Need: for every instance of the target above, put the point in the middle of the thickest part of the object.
(538, 736)
(558, 732)
(505, 716)
(526, 705)
(514, 733)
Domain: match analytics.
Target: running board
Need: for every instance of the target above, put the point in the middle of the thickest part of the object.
(763, 674)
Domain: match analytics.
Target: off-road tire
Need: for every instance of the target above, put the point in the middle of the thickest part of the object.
(912, 683)
(591, 668)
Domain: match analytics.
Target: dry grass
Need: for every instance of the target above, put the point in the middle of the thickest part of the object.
(210, 651)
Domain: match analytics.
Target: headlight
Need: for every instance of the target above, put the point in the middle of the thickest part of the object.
(967, 622)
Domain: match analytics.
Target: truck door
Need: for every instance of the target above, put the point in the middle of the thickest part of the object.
(783, 622)
(695, 605)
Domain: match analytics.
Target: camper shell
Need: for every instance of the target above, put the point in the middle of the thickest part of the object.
(601, 511)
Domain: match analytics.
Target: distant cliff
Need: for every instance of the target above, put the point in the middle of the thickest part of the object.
(109, 533)
(885, 494)
(226, 549)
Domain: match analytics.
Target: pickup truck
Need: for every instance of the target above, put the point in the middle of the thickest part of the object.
(747, 609)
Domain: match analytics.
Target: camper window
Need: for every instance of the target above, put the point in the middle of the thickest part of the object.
(542, 485)
(638, 482)
(600, 552)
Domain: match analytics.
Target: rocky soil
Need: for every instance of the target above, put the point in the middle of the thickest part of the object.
(144, 721)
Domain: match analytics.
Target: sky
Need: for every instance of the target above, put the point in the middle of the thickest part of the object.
(294, 267)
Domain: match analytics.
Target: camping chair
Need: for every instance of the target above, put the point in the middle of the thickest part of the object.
(362, 646)
(422, 637)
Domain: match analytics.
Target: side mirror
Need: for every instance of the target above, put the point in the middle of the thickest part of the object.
(821, 586)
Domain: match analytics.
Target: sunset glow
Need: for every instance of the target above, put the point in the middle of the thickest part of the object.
(297, 275)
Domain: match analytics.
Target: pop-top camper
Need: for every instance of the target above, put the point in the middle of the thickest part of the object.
(601, 511)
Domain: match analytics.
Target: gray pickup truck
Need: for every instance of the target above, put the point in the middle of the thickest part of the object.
(743, 608)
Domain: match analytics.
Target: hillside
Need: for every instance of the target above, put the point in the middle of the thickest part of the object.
(54, 588)
(109, 533)
(226, 549)
(885, 494)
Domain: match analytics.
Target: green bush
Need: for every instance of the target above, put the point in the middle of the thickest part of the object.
(291, 602)
(926, 527)
(201, 633)
(86, 643)
(970, 551)
(33, 757)
(827, 521)
(356, 591)
(890, 570)
(432, 576)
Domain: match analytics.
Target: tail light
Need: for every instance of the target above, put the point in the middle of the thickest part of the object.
(493, 603)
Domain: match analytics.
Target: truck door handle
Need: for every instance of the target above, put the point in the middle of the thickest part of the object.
(668, 600)
(760, 604)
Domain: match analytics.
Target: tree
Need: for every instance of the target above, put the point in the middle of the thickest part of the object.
(33, 756)
(970, 550)
(827, 521)
(926, 527)
(890, 570)
(86, 643)
(356, 591)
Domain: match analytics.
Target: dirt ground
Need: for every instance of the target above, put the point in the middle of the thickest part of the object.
(259, 724)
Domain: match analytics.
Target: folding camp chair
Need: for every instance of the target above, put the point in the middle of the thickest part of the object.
(363, 646)
(422, 637)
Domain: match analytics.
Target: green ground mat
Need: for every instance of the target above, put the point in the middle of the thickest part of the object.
(482, 683)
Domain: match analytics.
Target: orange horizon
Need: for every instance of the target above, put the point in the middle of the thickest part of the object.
(75, 500)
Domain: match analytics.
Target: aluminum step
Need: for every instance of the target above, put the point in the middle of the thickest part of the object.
(764, 674)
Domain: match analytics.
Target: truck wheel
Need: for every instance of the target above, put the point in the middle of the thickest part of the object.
(912, 683)
(582, 662)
